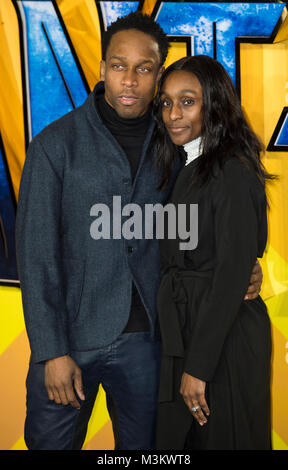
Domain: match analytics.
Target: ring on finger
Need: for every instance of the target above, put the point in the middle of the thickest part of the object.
(195, 408)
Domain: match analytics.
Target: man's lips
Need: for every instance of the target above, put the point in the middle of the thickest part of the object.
(128, 100)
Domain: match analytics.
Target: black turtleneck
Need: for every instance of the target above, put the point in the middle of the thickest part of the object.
(130, 134)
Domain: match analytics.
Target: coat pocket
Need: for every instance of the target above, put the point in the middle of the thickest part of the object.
(74, 271)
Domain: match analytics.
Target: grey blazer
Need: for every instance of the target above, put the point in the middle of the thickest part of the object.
(76, 290)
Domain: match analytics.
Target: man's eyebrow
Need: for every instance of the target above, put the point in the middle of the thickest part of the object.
(118, 57)
(142, 61)
(146, 61)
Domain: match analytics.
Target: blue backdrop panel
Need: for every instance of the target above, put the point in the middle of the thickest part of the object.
(47, 46)
(283, 134)
(8, 269)
(113, 10)
(232, 20)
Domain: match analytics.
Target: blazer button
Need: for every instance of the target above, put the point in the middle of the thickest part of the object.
(130, 249)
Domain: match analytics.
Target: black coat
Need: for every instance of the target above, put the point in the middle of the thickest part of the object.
(207, 328)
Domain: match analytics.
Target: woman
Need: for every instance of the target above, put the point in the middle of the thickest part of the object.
(215, 378)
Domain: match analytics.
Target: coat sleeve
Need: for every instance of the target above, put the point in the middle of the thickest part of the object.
(236, 249)
(38, 251)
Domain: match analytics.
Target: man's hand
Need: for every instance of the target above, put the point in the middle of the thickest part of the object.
(193, 393)
(62, 377)
(255, 282)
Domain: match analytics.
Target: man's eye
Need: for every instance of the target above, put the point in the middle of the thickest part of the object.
(143, 69)
(117, 66)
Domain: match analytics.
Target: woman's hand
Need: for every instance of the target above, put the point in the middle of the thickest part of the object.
(193, 393)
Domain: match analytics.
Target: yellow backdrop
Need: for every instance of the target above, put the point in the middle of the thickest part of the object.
(264, 93)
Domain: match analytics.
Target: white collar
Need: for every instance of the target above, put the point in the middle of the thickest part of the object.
(193, 149)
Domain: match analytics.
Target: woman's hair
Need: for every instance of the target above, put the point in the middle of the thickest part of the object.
(225, 131)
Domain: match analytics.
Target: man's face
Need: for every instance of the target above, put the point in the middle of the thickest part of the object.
(131, 72)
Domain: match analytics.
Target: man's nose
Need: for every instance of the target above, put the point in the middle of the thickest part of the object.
(176, 112)
(129, 78)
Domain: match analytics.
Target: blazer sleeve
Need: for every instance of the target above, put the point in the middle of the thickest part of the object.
(38, 237)
(236, 249)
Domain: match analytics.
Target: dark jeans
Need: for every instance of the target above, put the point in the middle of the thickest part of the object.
(128, 370)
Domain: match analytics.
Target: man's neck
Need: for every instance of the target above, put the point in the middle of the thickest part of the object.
(108, 113)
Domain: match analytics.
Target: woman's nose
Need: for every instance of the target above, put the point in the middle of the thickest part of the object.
(176, 112)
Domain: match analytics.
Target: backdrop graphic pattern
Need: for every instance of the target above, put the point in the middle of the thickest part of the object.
(55, 45)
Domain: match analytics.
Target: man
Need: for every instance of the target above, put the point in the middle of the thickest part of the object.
(90, 305)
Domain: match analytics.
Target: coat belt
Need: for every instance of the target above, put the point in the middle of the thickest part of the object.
(172, 316)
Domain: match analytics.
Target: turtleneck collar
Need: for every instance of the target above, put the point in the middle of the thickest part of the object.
(119, 124)
(193, 149)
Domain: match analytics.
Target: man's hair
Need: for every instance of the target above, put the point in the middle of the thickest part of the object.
(140, 22)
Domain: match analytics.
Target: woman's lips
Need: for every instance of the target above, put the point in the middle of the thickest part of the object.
(177, 130)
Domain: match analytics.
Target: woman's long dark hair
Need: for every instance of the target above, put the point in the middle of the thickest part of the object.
(225, 131)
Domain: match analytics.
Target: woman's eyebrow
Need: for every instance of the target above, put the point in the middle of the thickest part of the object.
(194, 92)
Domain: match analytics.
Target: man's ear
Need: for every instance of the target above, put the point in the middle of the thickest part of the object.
(102, 70)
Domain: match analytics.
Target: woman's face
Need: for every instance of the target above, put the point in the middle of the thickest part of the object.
(181, 98)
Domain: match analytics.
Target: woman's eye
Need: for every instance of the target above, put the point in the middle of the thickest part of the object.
(143, 69)
(165, 103)
(189, 101)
